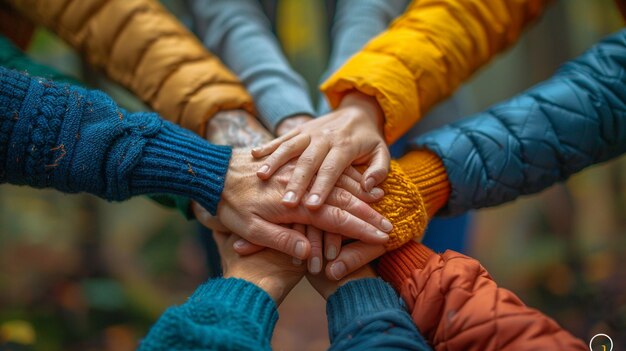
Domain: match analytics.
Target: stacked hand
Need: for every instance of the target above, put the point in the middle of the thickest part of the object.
(274, 272)
(251, 208)
(325, 147)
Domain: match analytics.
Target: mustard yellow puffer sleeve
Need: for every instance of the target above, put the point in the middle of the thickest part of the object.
(415, 189)
(142, 46)
(427, 53)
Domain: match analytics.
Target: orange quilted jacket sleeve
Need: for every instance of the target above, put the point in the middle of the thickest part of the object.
(456, 305)
(427, 53)
(139, 44)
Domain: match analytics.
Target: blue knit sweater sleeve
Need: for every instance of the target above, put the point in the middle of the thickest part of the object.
(76, 140)
(240, 34)
(222, 314)
(569, 122)
(367, 314)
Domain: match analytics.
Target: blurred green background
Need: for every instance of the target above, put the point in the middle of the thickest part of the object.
(78, 273)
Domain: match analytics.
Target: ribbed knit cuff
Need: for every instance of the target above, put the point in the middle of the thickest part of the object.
(398, 265)
(428, 173)
(359, 298)
(244, 296)
(176, 161)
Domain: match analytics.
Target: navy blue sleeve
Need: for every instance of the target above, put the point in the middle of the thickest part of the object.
(367, 314)
(573, 120)
(77, 140)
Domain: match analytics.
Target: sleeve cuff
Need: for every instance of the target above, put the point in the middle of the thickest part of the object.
(388, 81)
(243, 296)
(359, 298)
(398, 265)
(177, 162)
(427, 172)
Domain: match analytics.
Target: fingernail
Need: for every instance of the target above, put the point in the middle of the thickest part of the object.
(369, 183)
(296, 261)
(338, 270)
(331, 252)
(239, 244)
(382, 235)
(316, 265)
(313, 200)
(289, 197)
(256, 149)
(377, 192)
(300, 249)
(263, 169)
(386, 225)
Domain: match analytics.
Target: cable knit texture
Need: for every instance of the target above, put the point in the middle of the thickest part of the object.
(76, 140)
(573, 120)
(457, 306)
(140, 45)
(403, 206)
(222, 314)
(415, 188)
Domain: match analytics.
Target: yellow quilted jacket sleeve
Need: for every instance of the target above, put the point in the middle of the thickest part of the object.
(139, 44)
(427, 53)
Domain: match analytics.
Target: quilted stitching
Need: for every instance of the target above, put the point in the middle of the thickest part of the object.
(569, 122)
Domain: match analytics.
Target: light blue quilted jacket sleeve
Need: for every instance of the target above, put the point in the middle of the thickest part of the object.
(573, 120)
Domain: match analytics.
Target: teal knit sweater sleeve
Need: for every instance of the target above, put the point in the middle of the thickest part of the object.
(76, 140)
(240, 34)
(222, 314)
(367, 314)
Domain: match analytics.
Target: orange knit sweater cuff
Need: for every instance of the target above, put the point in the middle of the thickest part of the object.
(398, 265)
(427, 172)
(403, 206)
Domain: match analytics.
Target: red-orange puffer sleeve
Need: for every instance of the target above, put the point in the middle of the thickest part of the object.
(427, 53)
(456, 304)
(142, 46)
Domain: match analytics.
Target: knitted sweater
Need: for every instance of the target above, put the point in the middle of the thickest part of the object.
(76, 140)
(232, 314)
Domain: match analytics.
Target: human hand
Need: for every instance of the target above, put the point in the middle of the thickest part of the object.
(270, 270)
(327, 146)
(291, 123)
(236, 128)
(327, 287)
(251, 208)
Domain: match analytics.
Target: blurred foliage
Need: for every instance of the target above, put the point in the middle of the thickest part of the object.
(81, 274)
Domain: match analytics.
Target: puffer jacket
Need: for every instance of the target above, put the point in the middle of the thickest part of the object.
(573, 120)
(427, 53)
(456, 305)
(144, 48)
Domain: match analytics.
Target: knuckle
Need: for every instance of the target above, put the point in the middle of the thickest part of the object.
(329, 168)
(281, 240)
(306, 160)
(343, 198)
(339, 217)
(355, 259)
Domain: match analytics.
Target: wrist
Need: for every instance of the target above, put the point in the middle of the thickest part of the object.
(367, 106)
(290, 123)
(274, 286)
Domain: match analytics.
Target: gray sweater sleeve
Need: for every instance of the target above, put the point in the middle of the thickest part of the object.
(240, 34)
(356, 22)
